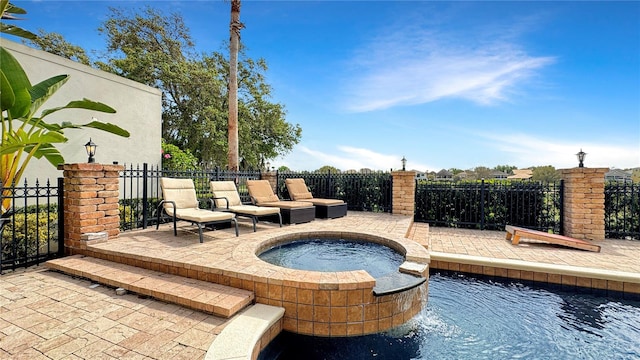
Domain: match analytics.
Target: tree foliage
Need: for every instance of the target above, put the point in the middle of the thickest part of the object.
(157, 50)
(54, 43)
(327, 168)
(507, 169)
(482, 172)
(173, 158)
(545, 174)
(25, 134)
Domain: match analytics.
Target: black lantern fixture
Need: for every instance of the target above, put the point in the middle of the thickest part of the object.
(404, 163)
(91, 150)
(581, 156)
(268, 164)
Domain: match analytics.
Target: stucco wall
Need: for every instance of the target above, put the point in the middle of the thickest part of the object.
(139, 111)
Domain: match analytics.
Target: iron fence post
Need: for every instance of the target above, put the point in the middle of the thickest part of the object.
(482, 204)
(60, 216)
(561, 206)
(145, 205)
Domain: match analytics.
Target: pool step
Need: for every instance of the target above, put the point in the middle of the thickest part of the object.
(199, 295)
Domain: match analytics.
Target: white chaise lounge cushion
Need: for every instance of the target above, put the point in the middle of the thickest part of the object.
(227, 189)
(180, 191)
(299, 192)
(183, 193)
(202, 216)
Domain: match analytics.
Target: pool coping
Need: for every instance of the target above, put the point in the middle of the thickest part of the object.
(604, 279)
(242, 338)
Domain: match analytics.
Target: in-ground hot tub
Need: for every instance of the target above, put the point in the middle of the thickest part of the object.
(345, 300)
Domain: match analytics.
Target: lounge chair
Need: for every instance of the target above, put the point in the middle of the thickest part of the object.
(226, 198)
(325, 208)
(293, 212)
(180, 202)
(514, 233)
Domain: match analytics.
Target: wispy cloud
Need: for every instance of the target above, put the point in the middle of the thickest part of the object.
(528, 150)
(345, 158)
(414, 66)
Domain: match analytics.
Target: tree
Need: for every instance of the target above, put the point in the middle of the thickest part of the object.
(482, 172)
(157, 50)
(507, 169)
(24, 130)
(328, 168)
(55, 44)
(234, 43)
(545, 174)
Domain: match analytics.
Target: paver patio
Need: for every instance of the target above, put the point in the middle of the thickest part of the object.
(48, 315)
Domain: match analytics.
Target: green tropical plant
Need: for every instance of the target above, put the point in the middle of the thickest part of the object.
(173, 158)
(23, 130)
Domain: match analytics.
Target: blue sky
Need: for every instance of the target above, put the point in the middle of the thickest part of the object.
(445, 84)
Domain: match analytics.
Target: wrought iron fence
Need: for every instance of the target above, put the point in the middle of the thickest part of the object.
(622, 210)
(140, 190)
(490, 204)
(31, 231)
(368, 191)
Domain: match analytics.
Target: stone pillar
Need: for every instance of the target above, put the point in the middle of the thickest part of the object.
(272, 178)
(404, 192)
(91, 193)
(583, 207)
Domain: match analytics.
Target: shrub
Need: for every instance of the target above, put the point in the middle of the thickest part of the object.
(20, 243)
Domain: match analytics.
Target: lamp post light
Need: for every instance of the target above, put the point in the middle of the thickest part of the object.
(268, 164)
(581, 156)
(404, 163)
(91, 150)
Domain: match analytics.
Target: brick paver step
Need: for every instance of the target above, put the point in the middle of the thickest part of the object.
(220, 300)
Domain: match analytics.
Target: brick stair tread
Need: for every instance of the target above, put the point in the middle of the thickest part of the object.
(220, 300)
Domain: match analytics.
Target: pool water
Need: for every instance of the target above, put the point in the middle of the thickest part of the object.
(479, 318)
(335, 255)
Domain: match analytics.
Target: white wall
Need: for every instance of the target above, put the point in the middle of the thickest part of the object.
(138, 110)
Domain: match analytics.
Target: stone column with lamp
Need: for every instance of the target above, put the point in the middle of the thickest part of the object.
(91, 202)
(404, 191)
(270, 175)
(583, 203)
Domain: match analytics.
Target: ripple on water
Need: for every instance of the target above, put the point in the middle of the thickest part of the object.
(470, 318)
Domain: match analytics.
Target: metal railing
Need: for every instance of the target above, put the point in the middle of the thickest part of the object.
(32, 231)
(140, 190)
(369, 191)
(490, 204)
(622, 210)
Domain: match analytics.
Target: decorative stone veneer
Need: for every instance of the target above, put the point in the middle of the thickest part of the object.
(404, 192)
(340, 303)
(583, 208)
(91, 193)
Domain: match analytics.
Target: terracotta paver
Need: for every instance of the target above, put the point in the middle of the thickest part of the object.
(48, 315)
(39, 333)
(617, 255)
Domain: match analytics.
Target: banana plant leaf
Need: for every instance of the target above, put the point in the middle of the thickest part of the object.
(16, 82)
(16, 31)
(42, 91)
(21, 140)
(82, 104)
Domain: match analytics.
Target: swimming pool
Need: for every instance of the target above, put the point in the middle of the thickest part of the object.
(481, 318)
